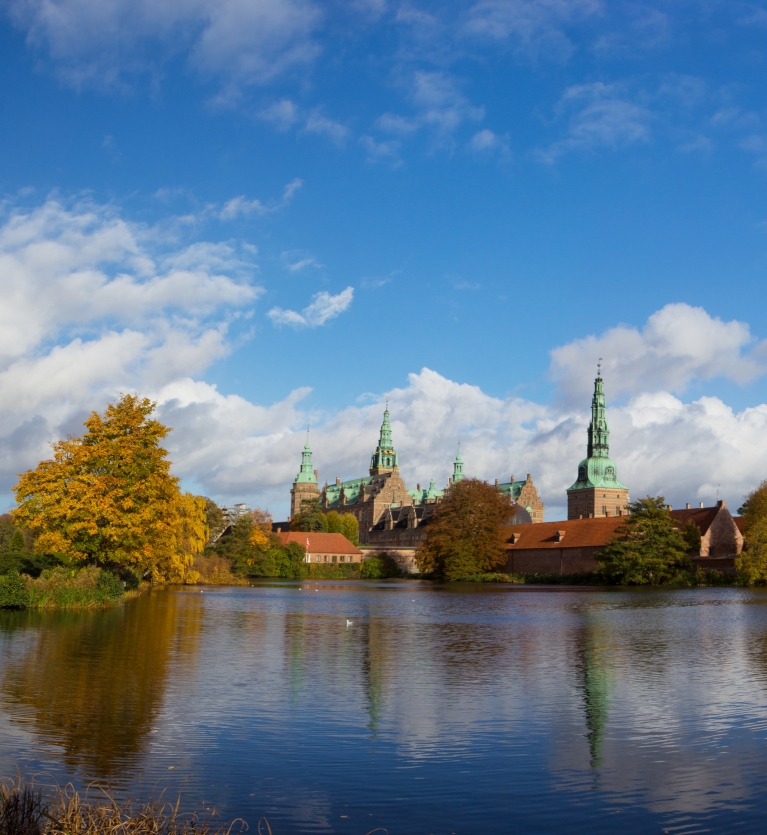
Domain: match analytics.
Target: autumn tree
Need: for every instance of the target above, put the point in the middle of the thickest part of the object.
(647, 548)
(261, 529)
(751, 565)
(108, 498)
(465, 536)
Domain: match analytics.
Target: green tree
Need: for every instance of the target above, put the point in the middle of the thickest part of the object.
(691, 534)
(751, 565)
(310, 518)
(754, 507)
(333, 522)
(214, 518)
(647, 547)
(379, 567)
(465, 536)
(350, 527)
(108, 497)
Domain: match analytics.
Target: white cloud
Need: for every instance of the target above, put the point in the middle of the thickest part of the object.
(322, 309)
(536, 26)
(242, 206)
(386, 151)
(335, 131)
(95, 305)
(440, 106)
(282, 115)
(679, 344)
(661, 445)
(103, 42)
(604, 117)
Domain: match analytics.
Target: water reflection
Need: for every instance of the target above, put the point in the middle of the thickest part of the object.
(92, 683)
(436, 710)
(592, 641)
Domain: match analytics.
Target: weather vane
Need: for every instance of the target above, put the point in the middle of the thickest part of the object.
(599, 367)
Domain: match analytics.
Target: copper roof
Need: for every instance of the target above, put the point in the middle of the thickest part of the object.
(320, 543)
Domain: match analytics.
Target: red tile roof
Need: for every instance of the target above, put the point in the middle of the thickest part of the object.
(578, 533)
(594, 533)
(320, 543)
(702, 516)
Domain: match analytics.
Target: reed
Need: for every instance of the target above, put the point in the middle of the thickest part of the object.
(24, 810)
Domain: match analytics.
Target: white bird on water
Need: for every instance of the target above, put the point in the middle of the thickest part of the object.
(349, 622)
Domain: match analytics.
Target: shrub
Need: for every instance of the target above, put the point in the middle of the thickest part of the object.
(380, 567)
(14, 592)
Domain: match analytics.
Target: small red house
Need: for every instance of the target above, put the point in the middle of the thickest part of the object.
(323, 547)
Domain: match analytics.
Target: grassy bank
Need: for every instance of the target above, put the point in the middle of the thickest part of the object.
(61, 588)
(686, 579)
(25, 810)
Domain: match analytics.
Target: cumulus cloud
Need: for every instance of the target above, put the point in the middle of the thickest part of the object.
(685, 451)
(322, 309)
(678, 344)
(95, 305)
(103, 42)
(93, 302)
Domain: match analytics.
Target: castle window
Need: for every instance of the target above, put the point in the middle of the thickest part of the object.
(325, 558)
(334, 557)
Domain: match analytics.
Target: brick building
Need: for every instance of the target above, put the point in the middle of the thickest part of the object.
(570, 547)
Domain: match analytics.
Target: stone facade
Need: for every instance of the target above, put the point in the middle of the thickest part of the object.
(597, 491)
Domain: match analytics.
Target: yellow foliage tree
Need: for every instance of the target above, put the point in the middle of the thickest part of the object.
(108, 497)
(260, 532)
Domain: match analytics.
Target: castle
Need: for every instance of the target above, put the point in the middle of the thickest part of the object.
(381, 500)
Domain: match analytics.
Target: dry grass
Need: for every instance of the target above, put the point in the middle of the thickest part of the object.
(25, 811)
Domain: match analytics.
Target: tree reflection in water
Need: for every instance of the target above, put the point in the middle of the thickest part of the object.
(93, 682)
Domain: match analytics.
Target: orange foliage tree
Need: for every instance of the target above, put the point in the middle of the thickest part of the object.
(108, 498)
(465, 535)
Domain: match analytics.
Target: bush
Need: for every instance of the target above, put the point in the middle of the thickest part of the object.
(380, 567)
(14, 593)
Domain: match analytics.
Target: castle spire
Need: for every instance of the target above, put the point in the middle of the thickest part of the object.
(599, 432)
(458, 466)
(384, 458)
(306, 474)
(597, 491)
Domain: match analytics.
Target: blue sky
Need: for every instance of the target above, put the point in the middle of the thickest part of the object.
(264, 212)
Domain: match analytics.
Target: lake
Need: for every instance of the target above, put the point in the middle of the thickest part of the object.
(438, 709)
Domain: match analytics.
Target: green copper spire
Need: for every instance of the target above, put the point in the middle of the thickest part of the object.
(306, 474)
(598, 469)
(458, 466)
(384, 458)
(599, 433)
